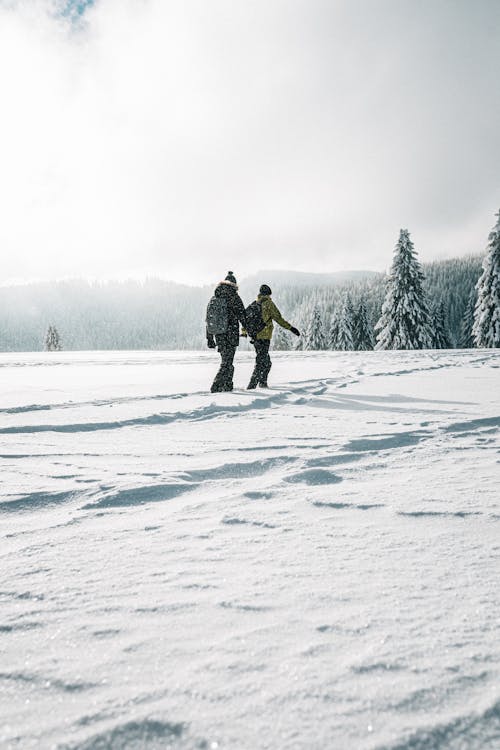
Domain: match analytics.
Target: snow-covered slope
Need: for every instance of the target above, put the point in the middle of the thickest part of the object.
(313, 566)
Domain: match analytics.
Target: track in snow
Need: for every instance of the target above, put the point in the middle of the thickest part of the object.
(311, 566)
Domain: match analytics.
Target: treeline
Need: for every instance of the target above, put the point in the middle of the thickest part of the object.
(345, 316)
(155, 314)
(450, 304)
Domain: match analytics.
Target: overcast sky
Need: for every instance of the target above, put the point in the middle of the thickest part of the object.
(186, 138)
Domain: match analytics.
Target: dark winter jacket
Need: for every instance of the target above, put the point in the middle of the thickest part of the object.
(236, 312)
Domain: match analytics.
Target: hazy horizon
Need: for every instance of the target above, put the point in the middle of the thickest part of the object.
(242, 279)
(173, 139)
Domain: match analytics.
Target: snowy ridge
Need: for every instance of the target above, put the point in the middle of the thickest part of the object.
(309, 566)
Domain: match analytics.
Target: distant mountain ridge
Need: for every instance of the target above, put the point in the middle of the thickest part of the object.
(306, 278)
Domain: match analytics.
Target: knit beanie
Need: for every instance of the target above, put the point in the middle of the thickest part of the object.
(231, 278)
(265, 289)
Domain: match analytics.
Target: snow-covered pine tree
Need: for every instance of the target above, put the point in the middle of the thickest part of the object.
(299, 344)
(345, 339)
(315, 337)
(363, 331)
(441, 334)
(486, 329)
(404, 323)
(466, 337)
(333, 331)
(52, 340)
(281, 340)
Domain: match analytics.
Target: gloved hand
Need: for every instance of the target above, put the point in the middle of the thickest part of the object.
(295, 331)
(211, 343)
(243, 334)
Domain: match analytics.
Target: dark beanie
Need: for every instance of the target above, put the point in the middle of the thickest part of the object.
(265, 289)
(230, 277)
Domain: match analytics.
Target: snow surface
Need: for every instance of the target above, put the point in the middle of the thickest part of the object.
(313, 566)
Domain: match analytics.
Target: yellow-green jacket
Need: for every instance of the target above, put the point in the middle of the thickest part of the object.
(270, 313)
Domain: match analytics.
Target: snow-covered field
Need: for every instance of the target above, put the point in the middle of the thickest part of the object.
(314, 566)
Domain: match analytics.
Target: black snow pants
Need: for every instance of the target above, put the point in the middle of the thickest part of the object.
(263, 363)
(223, 381)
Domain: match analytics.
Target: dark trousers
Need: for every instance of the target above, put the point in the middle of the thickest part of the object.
(263, 362)
(223, 381)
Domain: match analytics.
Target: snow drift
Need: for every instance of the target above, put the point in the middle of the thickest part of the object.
(313, 566)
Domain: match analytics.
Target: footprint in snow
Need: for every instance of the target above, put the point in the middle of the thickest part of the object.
(235, 521)
(314, 477)
(256, 495)
(343, 506)
(140, 495)
(388, 442)
(438, 513)
(245, 607)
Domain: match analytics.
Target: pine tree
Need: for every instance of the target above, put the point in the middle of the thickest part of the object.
(345, 340)
(486, 329)
(404, 323)
(299, 344)
(332, 342)
(441, 334)
(281, 340)
(52, 340)
(363, 331)
(466, 337)
(315, 337)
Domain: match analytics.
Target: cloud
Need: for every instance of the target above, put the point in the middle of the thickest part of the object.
(179, 138)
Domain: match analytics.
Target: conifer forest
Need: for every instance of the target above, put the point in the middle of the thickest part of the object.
(445, 304)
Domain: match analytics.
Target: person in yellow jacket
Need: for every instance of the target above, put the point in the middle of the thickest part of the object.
(262, 340)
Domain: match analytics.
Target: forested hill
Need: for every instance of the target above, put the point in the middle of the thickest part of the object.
(299, 279)
(157, 314)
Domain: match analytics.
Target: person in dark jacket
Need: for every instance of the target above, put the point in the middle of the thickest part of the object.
(227, 342)
(262, 340)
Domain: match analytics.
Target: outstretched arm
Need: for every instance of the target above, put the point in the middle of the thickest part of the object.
(275, 315)
(280, 320)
